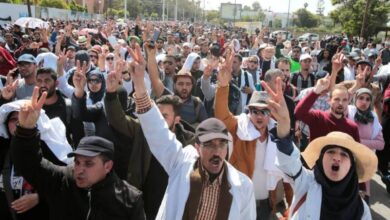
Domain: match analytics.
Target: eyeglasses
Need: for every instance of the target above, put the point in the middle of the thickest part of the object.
(263, 112)
(94, 81)
(210, 145)
(109, 58)
(93, 56)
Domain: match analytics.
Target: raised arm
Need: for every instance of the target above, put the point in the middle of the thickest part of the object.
(162, 142)
(157, 84)
(25, 148)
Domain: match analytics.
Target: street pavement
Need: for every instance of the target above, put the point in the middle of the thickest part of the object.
(379, 200)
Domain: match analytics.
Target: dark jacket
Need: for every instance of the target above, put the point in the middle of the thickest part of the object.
(63, 110)
(144, 171)
(111, 198)
(95, 113)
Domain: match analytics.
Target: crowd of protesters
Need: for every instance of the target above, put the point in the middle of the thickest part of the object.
(167, 120)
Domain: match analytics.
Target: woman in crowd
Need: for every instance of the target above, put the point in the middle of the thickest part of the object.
(370, 129)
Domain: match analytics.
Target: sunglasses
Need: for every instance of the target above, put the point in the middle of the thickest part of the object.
(109, 58)
(94, 81)
(263, 112)
(93, 56)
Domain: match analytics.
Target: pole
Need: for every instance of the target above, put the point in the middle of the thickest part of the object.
(163, 10)
(176, 11)
(235, 12)
(204, 10)
(125, 9)
(288, 14)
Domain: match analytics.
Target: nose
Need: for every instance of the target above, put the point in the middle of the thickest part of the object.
(336, 157)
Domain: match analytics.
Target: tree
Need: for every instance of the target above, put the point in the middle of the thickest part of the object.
(351, 13)
(256, 6)
(304, 18)
(54, 4)
(246, 8)
(212, 15)
(277, 23)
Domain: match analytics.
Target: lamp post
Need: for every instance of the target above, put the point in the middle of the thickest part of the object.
(288, 14)
(125, 9)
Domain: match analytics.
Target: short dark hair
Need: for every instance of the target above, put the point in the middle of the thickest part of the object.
(282, 60)
(170, 100)
(47, 70)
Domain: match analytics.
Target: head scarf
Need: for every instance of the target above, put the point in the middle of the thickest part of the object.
(8, 64)
(97, 96)
(361, 116)
(340, 200)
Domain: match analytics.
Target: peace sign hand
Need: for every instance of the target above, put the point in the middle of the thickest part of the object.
(80, 79)
(225, 70)
(137, 66)
(337, 62)
(278, 107)
(30, 111)
(208, 71)
(8, 92)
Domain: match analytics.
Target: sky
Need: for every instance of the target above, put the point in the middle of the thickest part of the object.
(273, 5)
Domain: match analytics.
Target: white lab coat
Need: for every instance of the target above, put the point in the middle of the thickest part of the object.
(305, 182)
(178, 162)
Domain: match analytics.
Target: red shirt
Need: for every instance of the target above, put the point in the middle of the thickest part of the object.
(321, 123)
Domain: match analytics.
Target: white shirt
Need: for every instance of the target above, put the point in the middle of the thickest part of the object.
(259, 178)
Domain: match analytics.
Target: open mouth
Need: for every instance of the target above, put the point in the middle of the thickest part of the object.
(335, 168)
(215, 161)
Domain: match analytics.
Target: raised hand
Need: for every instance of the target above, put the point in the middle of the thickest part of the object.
(322, 85)
(79, 79)
(137, 68)
(361, 76)
(337, 62)
(225, 70)
(9, 90)
(61, 62)
(278, 107)
(29, 112)
(151, 52)
(212, 65)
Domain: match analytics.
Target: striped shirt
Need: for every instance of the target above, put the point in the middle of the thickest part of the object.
(209, 200)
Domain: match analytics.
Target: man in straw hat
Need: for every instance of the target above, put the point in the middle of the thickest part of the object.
(339, 163)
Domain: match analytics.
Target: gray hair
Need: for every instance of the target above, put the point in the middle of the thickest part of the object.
(272, 73)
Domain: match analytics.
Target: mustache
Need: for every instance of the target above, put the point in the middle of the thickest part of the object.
(215, 157)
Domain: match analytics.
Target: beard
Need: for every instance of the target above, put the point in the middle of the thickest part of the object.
(339, 110)
(183, 95)
(50, 91)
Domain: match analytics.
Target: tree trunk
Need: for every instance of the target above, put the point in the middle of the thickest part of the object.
(29, 8)
(364, 23)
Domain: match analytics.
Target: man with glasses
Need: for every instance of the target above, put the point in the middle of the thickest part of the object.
(169, 67)
(252, 145)
(202, 184)
(304, 78)
(253, 68)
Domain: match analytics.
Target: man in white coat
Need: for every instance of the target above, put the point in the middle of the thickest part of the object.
(202, 184)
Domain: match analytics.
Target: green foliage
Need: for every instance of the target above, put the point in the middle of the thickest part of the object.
(277, 23)
(54, 4)
(304, 18)
(213, 16)
(76, 7)
(350, 15)
(256, 6)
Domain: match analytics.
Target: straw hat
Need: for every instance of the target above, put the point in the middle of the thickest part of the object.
(365, 159)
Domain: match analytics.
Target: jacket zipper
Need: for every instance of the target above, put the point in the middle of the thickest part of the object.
(89, 203)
